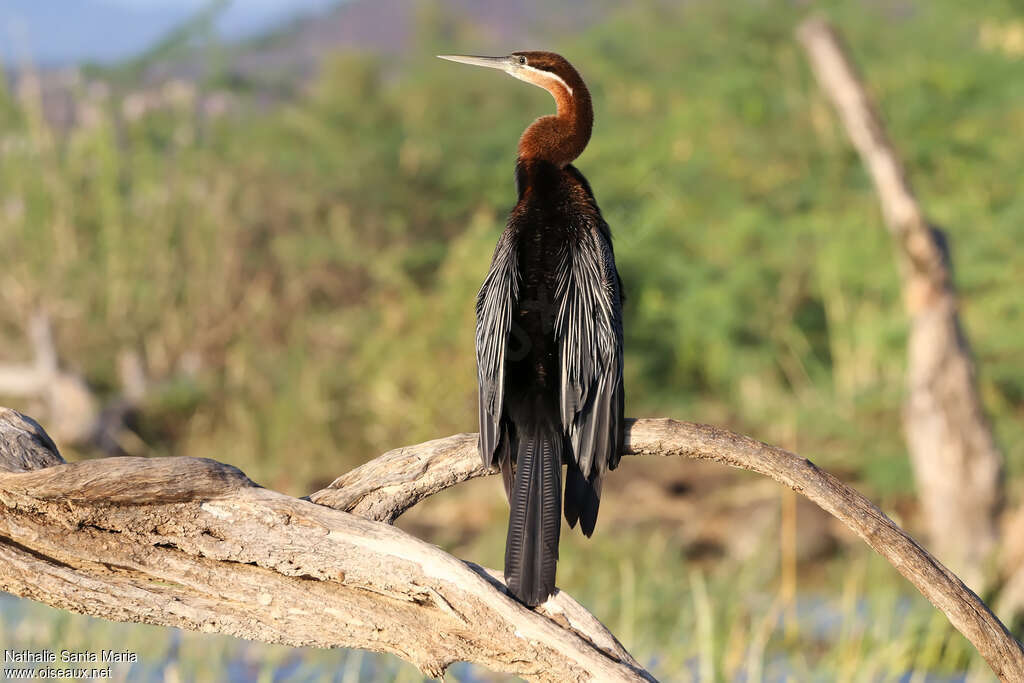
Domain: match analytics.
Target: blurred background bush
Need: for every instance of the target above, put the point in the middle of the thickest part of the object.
(285, 220)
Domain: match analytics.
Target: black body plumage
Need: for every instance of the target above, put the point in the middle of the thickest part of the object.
(549, 361)
(549, 334)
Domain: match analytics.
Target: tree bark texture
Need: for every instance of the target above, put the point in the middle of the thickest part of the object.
(957, 465)
(193, 543)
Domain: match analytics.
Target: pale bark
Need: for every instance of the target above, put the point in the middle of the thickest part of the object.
(956, 462)
(24, 444)
(193, 543)
(387, 486)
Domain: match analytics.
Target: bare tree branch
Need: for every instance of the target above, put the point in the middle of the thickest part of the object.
(193, 543)
(387, 486)
(397, 480)
(956, 462)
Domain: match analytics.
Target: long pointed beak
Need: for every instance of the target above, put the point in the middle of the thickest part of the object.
(489, 62)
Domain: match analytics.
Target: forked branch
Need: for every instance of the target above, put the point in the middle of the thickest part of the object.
(193, 543)
(384, 488)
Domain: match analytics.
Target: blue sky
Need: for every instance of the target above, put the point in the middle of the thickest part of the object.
(61, 31)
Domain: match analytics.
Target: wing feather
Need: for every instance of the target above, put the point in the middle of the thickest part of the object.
(494, 305)
(589, 329)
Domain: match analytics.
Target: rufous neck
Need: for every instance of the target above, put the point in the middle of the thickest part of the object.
(560, 138)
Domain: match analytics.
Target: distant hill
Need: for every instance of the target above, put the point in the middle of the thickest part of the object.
(58, 33)
(390, 27)
(191, 46)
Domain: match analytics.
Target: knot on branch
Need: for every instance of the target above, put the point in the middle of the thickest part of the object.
(24, 444)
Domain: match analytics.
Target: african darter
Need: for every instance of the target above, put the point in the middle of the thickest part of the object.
(549, 335)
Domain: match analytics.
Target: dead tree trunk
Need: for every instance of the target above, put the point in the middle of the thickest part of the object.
(956, 462)
(193, 543)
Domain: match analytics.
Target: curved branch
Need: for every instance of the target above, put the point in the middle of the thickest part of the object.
(383, 488)
(193, 543)
(387, 486)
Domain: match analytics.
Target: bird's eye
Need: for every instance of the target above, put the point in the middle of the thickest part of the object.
(522, 60)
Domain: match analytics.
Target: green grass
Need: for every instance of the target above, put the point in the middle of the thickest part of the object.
(315, 263)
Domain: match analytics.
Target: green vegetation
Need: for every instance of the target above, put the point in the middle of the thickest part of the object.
(318, 261)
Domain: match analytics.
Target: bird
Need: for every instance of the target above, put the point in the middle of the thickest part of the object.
(549, 337)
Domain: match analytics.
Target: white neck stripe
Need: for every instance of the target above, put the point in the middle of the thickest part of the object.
(548, 74)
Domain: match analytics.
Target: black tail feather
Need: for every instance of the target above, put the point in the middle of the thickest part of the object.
(582, 499)
(506, 467)
(534, 524)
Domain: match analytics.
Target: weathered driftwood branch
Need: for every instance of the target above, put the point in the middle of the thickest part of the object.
(956, 462)
(193, 543)
(387, 486)
(384, 488)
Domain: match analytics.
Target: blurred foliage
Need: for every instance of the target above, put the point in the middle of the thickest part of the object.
(320, 259)
(300, 278)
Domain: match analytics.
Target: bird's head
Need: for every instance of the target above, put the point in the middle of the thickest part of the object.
(548, 70)
(558, 138)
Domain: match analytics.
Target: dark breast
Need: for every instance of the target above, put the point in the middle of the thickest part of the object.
(553, 207)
